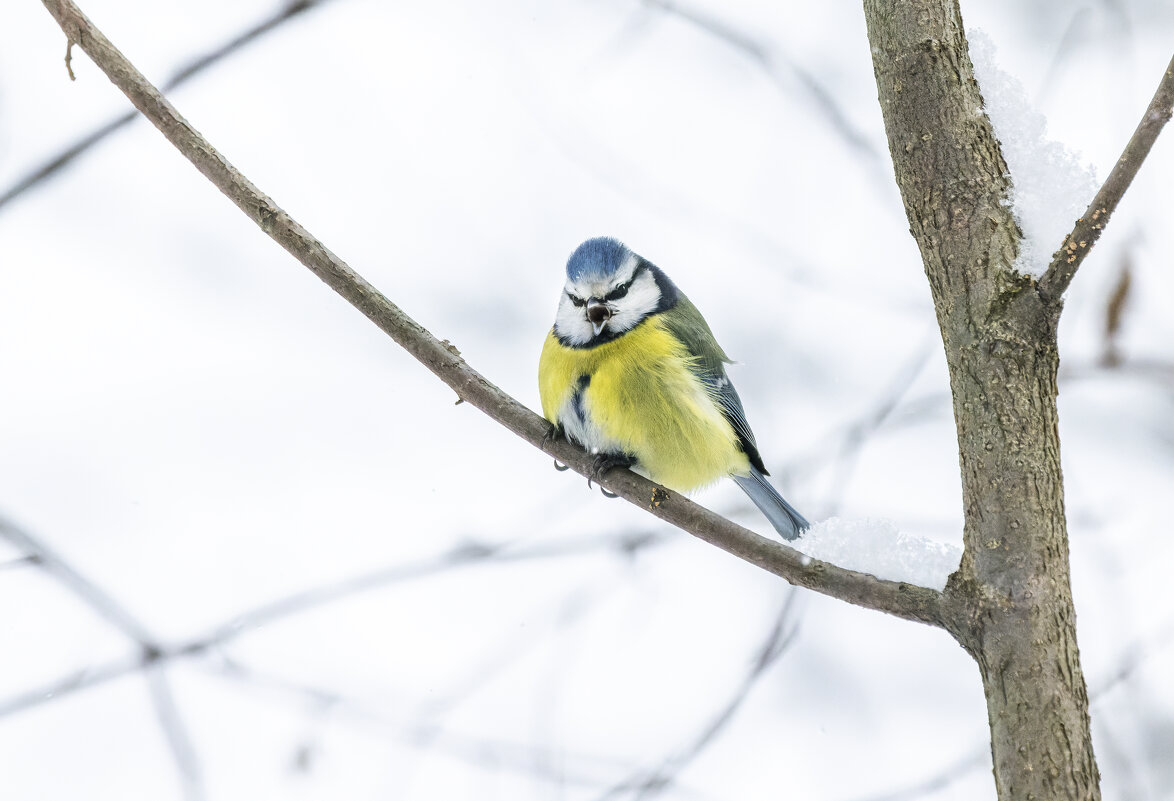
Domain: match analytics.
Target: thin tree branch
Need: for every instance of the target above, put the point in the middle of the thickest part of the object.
(1087, 231)
(66, 157)
(903, 600)
(773, 61)
(93, 595)
(506, 654)
(850, 447)
(1158, 371)
(468, 554)
(954, 772)
(73, 683)
(779, 639)
(1133, 659)
(31, 560)
(183, 750)
(585, 771)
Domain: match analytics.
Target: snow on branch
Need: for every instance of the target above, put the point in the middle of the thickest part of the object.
(1088, 228)
(1049, 184)
(878, 548)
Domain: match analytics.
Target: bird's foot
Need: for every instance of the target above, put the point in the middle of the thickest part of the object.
(553, 433)
(604, 462)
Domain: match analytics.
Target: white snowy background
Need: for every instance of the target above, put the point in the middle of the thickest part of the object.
(352, 588)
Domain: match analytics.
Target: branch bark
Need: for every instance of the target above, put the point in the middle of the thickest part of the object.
(903, 600)
(46, 170)
(999, 334)
(1087, 231)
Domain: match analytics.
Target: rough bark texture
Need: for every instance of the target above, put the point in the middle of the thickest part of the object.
(1000, 339)
(1089, 227)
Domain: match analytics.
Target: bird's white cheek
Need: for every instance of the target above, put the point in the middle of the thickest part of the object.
(641, 300)
(571, 323)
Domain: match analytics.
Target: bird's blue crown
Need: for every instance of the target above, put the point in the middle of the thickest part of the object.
(596, 258)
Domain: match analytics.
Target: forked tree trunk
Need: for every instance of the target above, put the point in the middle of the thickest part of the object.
(1000, 341)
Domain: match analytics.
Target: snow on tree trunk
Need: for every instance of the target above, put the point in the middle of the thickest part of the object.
(1000, 340)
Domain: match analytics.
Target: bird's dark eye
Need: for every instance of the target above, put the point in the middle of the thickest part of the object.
(618, 292)
(576, 301)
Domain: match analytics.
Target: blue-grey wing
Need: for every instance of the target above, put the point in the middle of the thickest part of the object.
(728, 401)
(710, 361)
(709, 365)
(785, 518)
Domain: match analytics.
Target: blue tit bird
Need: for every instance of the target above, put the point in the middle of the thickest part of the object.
(631, 372)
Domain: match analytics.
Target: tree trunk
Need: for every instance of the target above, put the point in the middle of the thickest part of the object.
(1000, 340)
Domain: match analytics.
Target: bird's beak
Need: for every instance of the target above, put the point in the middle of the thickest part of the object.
(597, 314)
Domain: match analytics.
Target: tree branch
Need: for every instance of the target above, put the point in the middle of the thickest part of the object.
(469, 554)
(1087, 231)
(649, 784)
(774, 62)
(64, 158)
(903, 600)
(37, 553)
(175, 731)
(1001, 351)
(575, 770)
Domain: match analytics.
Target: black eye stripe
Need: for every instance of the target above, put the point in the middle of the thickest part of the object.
(623, 288)
(619, 291)
(616, 293)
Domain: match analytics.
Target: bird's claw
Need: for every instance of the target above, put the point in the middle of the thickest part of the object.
(604, 462)
(552, 433)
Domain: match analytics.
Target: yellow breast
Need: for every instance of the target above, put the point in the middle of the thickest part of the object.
(641, 397)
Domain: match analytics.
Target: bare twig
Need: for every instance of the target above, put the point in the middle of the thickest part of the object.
(477, 675)
(1075, 28)
(468, 554)
(1088, 228)
(1156, 370)
(1132, 660)
(63, 159)
(463, 555)
(585, 771)
(780, 637)
(955, 771)
(861, 430)
(93, 595)
(903, 600)
(1115, 311)
(24, 561)
(774, 63)
(73, 683)
(432, 722)
(187, 761)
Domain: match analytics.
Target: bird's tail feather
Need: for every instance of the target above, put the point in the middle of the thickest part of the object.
(788, 522)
